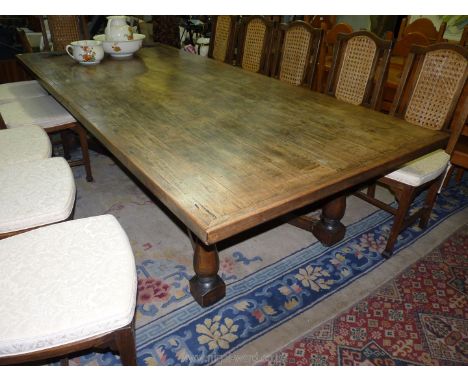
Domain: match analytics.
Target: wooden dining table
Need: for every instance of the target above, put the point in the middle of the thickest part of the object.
(225, 149)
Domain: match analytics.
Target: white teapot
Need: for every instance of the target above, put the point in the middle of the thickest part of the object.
(117, 29)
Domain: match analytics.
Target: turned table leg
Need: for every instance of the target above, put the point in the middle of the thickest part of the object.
(329, 230)
(206, 286)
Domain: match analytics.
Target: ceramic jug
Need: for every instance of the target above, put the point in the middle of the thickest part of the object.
(117, 29)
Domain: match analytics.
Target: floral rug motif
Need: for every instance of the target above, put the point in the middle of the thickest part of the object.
(172, 329)
(418, 318)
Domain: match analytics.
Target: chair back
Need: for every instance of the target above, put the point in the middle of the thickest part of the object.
(326, 50)
(402, 47)
(464, 37)
(222, 38)
(318, 21)
(423, 26)
(23, 39)
(63, 30)
(297, 53)
(255, 44)
(354, 77)
(331, 35)
(431, 84)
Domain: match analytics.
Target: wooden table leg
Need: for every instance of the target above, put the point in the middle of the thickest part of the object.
(206, 286)
(329, 230)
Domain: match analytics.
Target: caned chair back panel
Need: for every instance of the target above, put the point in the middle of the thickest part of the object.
(64, 30)
(423, 26)
(436, 87)
(355, 69)
(222, 38)
(255, 44)
(431, 84)
(352, 77)
(298, 51)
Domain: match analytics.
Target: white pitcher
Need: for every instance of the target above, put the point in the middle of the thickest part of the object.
(117, 29)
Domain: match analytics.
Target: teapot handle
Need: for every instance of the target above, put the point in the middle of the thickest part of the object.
(67, 50)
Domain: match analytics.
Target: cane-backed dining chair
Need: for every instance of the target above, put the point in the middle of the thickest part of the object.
(326, 51)
(430, 88)
(255, 38)
(297, 53)
(45, 111)
(352, 78)
(77, 281)
(14, 91)
(63, 30)
(423, 26)
(400, 52)
(222, 40)
(360, 60)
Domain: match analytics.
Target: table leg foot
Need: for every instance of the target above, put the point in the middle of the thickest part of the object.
(329, 230)
(206, 286)
(207, 291)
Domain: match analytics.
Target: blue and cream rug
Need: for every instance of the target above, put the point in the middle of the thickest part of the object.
(271, 277)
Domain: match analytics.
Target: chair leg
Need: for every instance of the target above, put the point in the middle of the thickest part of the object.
(459, 176)
(404, 203)
(65, 145)
(64, 361)
(84, 150)
(448, 175)
(2, 123)
(429, 203)
(371, 190)
(125, 344)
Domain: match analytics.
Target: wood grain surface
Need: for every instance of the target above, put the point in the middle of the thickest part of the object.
(222, 148)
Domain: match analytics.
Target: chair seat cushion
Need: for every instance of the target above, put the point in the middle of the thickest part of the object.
(23, 145)
(41, 111)
(65, 283)
(16, 91)
(33, 194)
(422, 170)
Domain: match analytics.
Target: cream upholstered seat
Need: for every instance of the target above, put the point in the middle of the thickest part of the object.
(16, 91)
(64, 283)
(47, 113)
(422, 170)
(36, 193)
(41, 111)
(24, 144)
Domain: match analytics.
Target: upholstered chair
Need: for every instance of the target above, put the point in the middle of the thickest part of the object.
(67, 288)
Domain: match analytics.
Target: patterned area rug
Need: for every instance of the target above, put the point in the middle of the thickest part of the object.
(418, 318)
(266, 286)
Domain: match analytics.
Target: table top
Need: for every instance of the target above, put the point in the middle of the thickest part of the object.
(222, 148)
